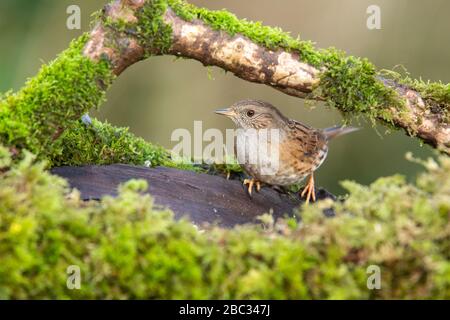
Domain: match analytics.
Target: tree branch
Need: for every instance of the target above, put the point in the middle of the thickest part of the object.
(285, 71)
(287, 67)
(131, 30)
(241, 56)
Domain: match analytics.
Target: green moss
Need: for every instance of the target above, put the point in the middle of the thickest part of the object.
(55, 99)
(229, 168)
(272, 38)
(151, 29)
(152, 33)
(126, 247)
(435, 94)
(351, 84)
(101, 143)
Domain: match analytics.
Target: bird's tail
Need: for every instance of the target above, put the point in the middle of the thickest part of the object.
(337, 131)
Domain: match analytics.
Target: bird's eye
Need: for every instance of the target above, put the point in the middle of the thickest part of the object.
(250, 113)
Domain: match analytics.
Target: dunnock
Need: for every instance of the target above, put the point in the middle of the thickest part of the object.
(301, 149)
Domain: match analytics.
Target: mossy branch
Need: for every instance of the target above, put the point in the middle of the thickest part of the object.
(270, 56)
(131, 30)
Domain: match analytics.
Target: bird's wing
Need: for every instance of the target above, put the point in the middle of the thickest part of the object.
(307, 142)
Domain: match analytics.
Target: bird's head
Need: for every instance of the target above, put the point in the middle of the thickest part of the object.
(254, 114)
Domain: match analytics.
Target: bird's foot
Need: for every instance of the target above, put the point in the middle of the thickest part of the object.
(309, 190)
(252, 182)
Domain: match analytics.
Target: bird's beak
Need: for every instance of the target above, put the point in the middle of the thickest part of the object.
(226, 112)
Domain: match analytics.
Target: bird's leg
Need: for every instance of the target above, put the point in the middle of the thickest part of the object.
(251, 182)
(309, 190)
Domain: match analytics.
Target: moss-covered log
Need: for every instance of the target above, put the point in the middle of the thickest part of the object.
(126, 247)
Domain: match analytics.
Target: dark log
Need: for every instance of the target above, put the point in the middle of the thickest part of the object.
(203, 198)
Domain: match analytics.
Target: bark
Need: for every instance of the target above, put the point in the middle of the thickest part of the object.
(239, 55)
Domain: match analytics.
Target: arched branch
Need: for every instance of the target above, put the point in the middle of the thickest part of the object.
(131, 30)
(291, 66)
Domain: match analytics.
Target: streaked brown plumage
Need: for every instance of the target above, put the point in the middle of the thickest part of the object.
(301, 149)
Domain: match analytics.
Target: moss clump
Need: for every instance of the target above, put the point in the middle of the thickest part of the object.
(126, 248)
(151, 29)
(152, 33)
(351, 84)
(53, 100)
(102, 143)
(435, 94)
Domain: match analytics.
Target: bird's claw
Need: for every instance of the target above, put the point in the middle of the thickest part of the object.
(309, 190)
(251, 183)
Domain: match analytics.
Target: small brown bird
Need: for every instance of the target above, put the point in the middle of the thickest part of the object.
(300, 149)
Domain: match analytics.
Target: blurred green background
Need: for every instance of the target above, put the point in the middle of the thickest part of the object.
(158, 95)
